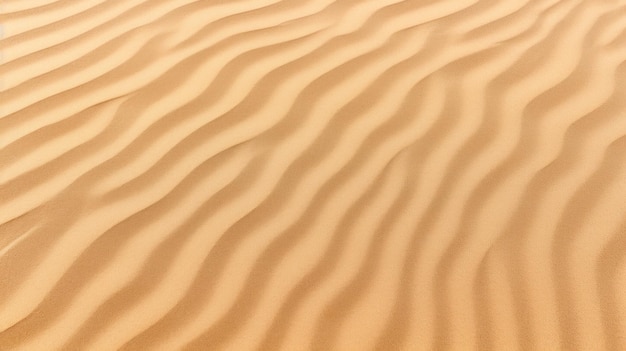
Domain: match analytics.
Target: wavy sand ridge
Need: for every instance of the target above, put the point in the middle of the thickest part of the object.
(313, 175)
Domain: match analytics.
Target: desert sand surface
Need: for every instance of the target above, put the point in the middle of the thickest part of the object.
(313, 175)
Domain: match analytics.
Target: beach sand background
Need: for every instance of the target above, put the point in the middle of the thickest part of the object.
(313, 175)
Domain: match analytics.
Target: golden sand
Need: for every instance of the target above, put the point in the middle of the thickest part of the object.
(313, 175)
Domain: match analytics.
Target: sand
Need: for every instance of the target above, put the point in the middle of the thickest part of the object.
(313, 175)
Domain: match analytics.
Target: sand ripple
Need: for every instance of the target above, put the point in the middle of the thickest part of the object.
(312, 175)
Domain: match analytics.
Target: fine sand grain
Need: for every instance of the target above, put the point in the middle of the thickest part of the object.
(313, 175)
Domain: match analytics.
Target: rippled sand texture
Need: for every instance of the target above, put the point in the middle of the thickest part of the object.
(313, 175)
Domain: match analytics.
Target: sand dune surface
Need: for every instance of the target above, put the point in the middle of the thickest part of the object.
(313, 175)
